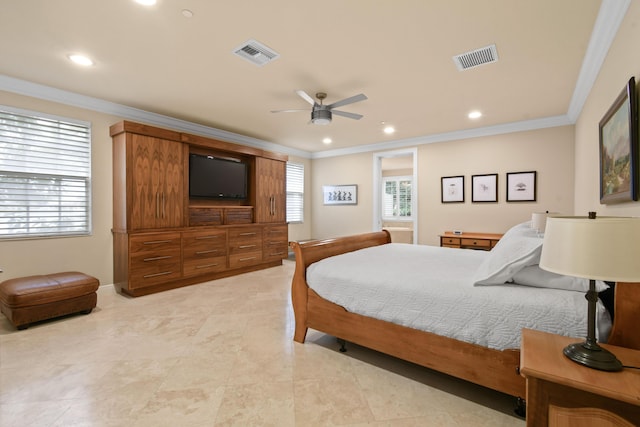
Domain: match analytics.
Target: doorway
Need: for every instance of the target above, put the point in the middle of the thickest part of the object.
(400, 165)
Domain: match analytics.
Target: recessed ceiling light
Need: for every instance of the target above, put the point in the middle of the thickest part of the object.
(475, 115)
(146, 2)
(80, 59)
(327, 141)
(389, 130)
(187, 13)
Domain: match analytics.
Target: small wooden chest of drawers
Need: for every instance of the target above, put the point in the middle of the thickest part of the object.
(482, 241)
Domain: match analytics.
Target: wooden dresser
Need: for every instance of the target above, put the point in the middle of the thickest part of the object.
(561, 392)
(469, 240)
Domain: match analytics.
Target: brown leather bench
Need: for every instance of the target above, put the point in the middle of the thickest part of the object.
(26, 300)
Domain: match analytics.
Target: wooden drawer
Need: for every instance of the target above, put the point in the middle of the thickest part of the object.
(154, 258)
(450, 242)
(473, 243)
(196, 244)
(245, 258)
(204, 251)
(147, 243)
(205, 216)
(238, 215)
(275, 242)
(194, 267)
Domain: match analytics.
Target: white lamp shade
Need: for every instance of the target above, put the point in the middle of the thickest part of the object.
(539, 220)
(606, 248)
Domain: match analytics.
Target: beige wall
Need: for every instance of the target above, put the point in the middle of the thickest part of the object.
(342, 220)
(622, 62)
(547, 151)
(91, 254)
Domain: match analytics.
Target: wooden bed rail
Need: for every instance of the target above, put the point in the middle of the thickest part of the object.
(626, 314)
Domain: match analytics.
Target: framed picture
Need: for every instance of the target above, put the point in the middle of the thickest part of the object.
(521, 186)
(484, 188)
(340, 194)
(452, 189)
(619, 149)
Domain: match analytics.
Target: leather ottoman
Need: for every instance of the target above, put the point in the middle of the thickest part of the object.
(26, 300)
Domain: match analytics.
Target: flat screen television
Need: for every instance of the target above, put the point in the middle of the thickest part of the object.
(217, 178)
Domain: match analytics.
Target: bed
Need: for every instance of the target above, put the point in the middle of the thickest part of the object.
(355, 262)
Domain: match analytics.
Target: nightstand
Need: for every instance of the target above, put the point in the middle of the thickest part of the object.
(561, 392)
(469, 240)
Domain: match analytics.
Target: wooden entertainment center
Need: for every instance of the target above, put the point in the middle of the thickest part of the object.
(163, 239)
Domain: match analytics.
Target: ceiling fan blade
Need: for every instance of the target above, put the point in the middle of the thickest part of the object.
(287, 111)
(348, 115)
(350, 100)
(302, 94)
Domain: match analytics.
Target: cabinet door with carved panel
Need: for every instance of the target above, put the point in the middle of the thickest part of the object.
(271, 200)
(157, 180)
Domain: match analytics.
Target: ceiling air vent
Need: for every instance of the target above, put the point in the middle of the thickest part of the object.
(474, 58)
(255, 52)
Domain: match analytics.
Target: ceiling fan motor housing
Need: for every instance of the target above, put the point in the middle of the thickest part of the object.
(320, 117)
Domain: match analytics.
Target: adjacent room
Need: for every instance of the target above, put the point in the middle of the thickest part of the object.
(348, 213)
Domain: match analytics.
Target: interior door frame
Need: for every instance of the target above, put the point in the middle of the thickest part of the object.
(377, 187)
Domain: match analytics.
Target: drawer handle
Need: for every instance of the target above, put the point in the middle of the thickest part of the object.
(275, 243)
(207, 237)
(246, 246)
(247, 258)
(147, 276)
(157, 258)
(155, 242)
(277, 254)
(248, 234)
(206, 252)
(207, 265)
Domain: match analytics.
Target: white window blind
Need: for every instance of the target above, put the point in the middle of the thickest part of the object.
(45, 175)
(295, 192)
(396, 198)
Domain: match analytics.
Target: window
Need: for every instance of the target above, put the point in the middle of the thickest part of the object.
(45, 175)
(396, 198)
(295, 192)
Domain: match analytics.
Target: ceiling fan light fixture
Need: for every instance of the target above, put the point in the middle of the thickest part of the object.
(321, 117)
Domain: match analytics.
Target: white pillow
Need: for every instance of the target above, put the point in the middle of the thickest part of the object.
(519, 247)
(535, 276)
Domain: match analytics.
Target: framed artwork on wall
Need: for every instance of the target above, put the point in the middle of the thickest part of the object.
(618, 131)
(484, 188)
(521, 186)
(340, 194)
(452, 189)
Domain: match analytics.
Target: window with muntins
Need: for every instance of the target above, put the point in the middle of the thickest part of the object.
(396, 198)
(45, 175)
(295, 192)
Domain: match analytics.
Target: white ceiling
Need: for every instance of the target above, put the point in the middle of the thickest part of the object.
(399, 53)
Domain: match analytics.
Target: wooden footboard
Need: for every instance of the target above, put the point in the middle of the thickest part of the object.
(498, 370)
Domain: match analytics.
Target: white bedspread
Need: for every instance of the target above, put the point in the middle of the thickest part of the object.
(431, 288)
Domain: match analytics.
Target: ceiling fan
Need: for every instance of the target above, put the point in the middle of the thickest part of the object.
(320, 113)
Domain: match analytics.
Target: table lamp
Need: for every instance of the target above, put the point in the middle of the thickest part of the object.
(604, 248)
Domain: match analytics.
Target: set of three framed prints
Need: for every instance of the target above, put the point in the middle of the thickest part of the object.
(521, 187)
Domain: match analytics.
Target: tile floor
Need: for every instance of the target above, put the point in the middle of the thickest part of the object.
(219, 354)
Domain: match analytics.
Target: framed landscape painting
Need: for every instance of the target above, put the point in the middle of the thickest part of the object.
(619, 148)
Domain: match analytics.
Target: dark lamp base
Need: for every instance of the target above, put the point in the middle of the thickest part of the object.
(592, 356)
